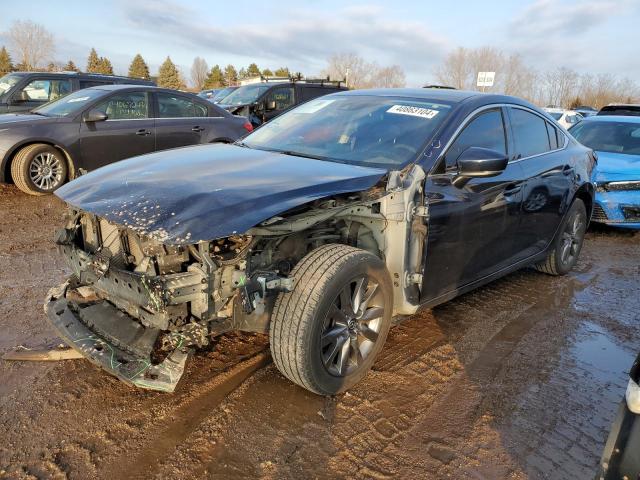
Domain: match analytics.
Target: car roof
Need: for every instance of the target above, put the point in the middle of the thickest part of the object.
(79, 74)
(437, 94)
(612, 118)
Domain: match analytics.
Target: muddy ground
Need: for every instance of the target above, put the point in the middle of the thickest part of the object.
(520, 379)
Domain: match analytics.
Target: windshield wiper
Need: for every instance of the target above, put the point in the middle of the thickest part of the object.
(300, 154)
(33, 112)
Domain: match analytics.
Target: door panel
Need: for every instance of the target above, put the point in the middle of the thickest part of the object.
(471, 226)
(549, 179)
(471, 229)
(180, 121)
(127, 132)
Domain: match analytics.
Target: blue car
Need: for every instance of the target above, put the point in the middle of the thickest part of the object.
(616, 139)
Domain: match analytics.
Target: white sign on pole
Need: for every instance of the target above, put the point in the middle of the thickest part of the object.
(485, 79)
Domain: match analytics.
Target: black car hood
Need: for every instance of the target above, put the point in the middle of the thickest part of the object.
(205, 192)
(9, 119)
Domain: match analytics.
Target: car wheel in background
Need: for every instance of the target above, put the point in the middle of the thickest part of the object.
(567, 245)
(326, 333)
(39, 169)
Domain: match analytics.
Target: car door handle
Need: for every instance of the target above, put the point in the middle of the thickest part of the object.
(567, 170)
(143, 132)
(197, 129)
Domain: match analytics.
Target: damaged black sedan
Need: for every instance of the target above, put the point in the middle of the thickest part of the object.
(317, 228)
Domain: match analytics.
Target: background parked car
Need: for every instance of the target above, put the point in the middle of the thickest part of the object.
(209, 93)
(621, 109)
(586, 111)
(222, 94)
(566, 118)
(262, 101)
(621, 455)
(94, 127)
(24, 91)
(616, 140)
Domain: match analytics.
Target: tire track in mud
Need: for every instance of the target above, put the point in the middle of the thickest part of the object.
(185, 419)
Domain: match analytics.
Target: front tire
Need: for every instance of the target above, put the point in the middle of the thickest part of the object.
(39, 169)
(567, 245)
(326, 333)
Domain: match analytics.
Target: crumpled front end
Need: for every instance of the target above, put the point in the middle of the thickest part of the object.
(134, 306)
(125, 351)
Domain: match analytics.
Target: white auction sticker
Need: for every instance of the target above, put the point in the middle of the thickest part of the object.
(413, 111)
(80, 99)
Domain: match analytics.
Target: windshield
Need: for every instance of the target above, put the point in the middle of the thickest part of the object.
(69, 104)
(223, 94)
(614, 137)
(363, 130)
(247, 94)
(7, 82)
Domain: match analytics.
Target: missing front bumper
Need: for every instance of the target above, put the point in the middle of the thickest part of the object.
(133, 367)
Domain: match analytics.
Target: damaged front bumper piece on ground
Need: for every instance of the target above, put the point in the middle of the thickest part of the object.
(99, 331)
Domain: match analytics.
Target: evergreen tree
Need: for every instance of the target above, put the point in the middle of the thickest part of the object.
(230, 75)
(104, 66)
(282, 72)
(93, 62)
(6, 65)
(168, 75)
(253, 70)
(242, 73)
(139, 68)
(267, 73)
(71, 67)
(215, 79)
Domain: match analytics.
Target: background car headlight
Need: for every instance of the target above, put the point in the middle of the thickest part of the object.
(633, 397)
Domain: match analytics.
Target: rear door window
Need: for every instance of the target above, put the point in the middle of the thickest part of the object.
(176, 106)
(126, 106)
(485, 131)
(529, 132)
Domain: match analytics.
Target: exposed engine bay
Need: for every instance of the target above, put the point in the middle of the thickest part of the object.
(135, 306)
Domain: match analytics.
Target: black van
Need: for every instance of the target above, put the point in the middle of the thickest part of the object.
(269, 97)
(24, 91)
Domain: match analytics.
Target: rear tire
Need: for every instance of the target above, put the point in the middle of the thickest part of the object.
(326, 333)
(566, 247)
(39, 169)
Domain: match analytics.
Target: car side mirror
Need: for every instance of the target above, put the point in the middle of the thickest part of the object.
(95, 116)
(270, 105)
(481, 162)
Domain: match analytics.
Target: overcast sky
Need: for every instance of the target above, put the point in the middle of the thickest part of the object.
(586, 35)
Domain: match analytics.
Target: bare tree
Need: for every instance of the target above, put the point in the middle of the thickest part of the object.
(390, 77)
(561, 86)
(32, 43)
(362, 74)
(456, 69)
(199, 72)
(347, 66)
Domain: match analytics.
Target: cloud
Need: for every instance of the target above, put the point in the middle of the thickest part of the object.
(558, 18)
(304, 38)
(551, 33)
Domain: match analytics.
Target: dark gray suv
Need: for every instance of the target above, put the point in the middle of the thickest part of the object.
(24, 91)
